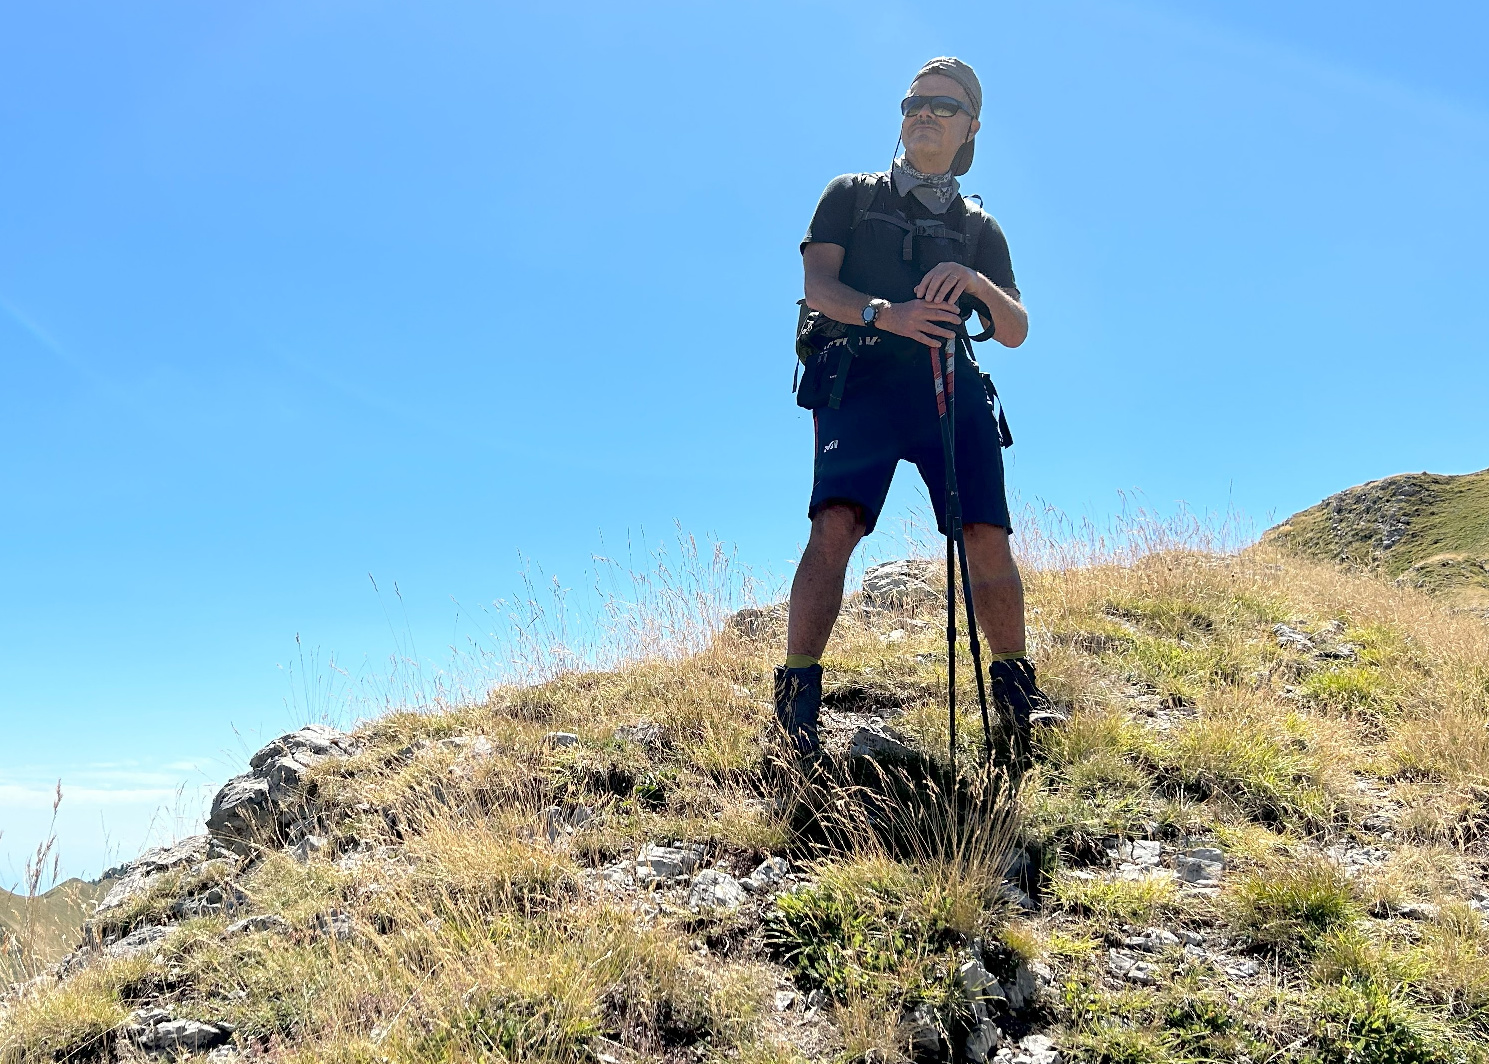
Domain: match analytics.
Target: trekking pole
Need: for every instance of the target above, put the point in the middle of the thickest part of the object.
(947, 448)
(961, 544)
(943, 361)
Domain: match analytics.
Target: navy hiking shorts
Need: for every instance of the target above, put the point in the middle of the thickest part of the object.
(888, 413)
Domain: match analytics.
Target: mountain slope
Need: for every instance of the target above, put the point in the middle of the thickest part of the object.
(1262, 836)
(1424, 530)
(46, 926)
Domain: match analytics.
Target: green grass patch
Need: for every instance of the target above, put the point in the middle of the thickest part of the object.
(1134, 901)
(1352, 689)
(869, 927)
(1269, 777)
(1287, 907)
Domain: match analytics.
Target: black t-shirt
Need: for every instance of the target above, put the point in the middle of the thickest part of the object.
(874, 261)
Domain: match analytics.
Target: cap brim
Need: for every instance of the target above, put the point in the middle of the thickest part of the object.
(963, 161)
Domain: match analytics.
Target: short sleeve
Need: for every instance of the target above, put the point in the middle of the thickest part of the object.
(993, 260)
(832, 221)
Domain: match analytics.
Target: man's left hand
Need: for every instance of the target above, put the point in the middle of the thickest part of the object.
(945, 282)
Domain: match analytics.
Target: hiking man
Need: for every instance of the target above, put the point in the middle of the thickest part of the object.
(891, 260)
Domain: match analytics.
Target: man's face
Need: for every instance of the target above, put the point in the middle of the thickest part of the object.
(927, 135)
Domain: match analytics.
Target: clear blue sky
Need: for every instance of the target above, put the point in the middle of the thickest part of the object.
(291, 293)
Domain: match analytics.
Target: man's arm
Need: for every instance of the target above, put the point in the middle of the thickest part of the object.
(947, 282)
(919, 319)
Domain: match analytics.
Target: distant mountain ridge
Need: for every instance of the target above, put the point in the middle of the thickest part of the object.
(56, 918)
(1424, 530)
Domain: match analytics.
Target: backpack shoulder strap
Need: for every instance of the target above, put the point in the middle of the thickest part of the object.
(867, 186)
(973, 217)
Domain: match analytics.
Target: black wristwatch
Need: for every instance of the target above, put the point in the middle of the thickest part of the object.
(873, 310)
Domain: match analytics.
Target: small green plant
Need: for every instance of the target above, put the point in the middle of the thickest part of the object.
(867, 927)
(1287, 907)
(1366, 1025)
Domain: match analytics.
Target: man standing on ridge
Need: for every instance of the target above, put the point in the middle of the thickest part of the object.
(889, 260)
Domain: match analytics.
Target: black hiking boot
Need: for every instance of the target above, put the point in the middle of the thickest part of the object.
(798, 705)
(1023, 705)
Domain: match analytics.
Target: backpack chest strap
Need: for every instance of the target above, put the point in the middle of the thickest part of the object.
(939, 230)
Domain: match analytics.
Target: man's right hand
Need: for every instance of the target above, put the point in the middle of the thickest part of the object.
(926, 323)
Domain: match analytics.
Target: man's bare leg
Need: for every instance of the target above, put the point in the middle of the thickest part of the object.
(998, 594)
(816, 597)
(817, 590)
(997, 590)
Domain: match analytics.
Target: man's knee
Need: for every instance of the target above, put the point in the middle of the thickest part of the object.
(837, 528)
(990, 548)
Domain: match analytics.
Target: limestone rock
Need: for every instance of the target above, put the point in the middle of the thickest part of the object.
(225, 900)
(155, 1031)
(241, 812)
(265, 922)
(921, 1030)
(142, 940)
(977, 983)
(1020, 989)
(1128, 967)
(770, 873)
(135, 877)
(1141, 852)
(307, 848)
(1201, 865)
(983, 1040)
(1291, 639)
(314, 741)
(266, 804)
(559, 821)
(713, 889)
(1019, 898)
(1034, 1049)
(876, 741)
(899, 585)
(1153, 940)
(664, 862)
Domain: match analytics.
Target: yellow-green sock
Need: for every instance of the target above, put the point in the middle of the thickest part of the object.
(800, 661)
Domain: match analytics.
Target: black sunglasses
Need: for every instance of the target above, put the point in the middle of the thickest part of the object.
(941, 106)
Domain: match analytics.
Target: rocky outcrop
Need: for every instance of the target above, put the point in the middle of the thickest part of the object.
(157, 1031)
(902, 585)
(268, 805)
(133, 879)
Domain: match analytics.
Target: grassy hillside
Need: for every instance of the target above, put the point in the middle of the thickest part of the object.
(1427, 531)
(1262, 837)
(46, 927)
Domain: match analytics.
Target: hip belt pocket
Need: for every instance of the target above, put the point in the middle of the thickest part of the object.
(825, 376)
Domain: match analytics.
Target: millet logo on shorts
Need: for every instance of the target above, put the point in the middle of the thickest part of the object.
(833, 446)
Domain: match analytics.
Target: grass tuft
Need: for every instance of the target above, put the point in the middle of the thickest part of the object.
(1287, 906)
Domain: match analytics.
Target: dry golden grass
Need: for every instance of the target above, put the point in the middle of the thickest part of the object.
(475, 933)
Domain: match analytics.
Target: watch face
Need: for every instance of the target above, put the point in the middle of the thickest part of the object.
(870, 312)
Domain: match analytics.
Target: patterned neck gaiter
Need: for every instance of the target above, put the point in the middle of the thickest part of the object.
(936, 191)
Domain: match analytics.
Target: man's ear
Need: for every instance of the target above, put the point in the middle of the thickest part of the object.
(972, 129)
